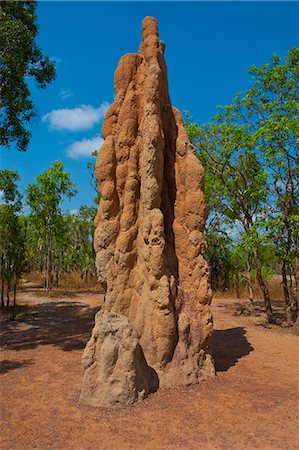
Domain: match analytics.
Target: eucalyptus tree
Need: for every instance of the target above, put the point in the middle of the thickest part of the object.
(44, 199)
(93, 182)
(272, 106)
(12, 235)
(82, 251)
(250, 154)
(217, 225)
(228, 152)
(21, 60)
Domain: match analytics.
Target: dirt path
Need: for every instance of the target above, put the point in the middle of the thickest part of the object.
(252, 403)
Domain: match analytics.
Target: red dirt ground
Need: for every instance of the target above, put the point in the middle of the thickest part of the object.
(252, 403)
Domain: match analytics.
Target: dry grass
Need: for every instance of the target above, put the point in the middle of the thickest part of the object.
(68, 282)
(273, 283)
(73, 281)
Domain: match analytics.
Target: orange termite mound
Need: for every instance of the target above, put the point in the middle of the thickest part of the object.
(154, 326)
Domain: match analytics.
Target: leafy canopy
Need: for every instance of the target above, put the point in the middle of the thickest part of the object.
(45, 196)
(20, 59)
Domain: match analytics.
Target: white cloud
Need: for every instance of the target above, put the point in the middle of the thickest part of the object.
(64, 95)
(74, 211)
(81, 118)
(84, 148)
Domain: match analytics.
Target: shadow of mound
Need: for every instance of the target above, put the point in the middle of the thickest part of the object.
(155, 382)
(146, 375)
(228, 346)
(66, 325)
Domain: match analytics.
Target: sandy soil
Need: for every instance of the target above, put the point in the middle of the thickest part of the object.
(252, 403)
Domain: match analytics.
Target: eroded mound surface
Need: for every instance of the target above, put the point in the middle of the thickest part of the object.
(115, 368)
(148, 240)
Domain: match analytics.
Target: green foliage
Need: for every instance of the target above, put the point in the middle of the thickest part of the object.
(58, 242)
(20, 60)
(81, 250)
(8, 188)
(91, 169)
(45, 196)
(250, 152)
(46, 223)
(12, 233)
(273, 104)
(47, 240)
(220, 261)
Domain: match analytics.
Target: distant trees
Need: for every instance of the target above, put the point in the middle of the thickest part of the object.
(20, 60)
(12, 235)
(273, 108)
(46, 220)
(46, 240)
(93, 182)
(250, 154)
(227, 152)
(81, 250)
(57, 242)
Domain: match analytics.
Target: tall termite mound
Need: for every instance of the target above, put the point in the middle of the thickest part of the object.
(149, 241)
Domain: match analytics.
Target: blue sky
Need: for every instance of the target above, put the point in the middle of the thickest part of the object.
(209, 46)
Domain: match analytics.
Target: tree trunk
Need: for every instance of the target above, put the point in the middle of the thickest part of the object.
(285, 284)
(2, 280)
(237, 285)
(49, 268)
(57, 277)
(15, 293)
(225, 286)
(297, 279)
(47, 264)
(7, 293)
(50, 262)
(292, 309)
(2, 293)
(249, 282)
(263, 286)
(286, 293)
